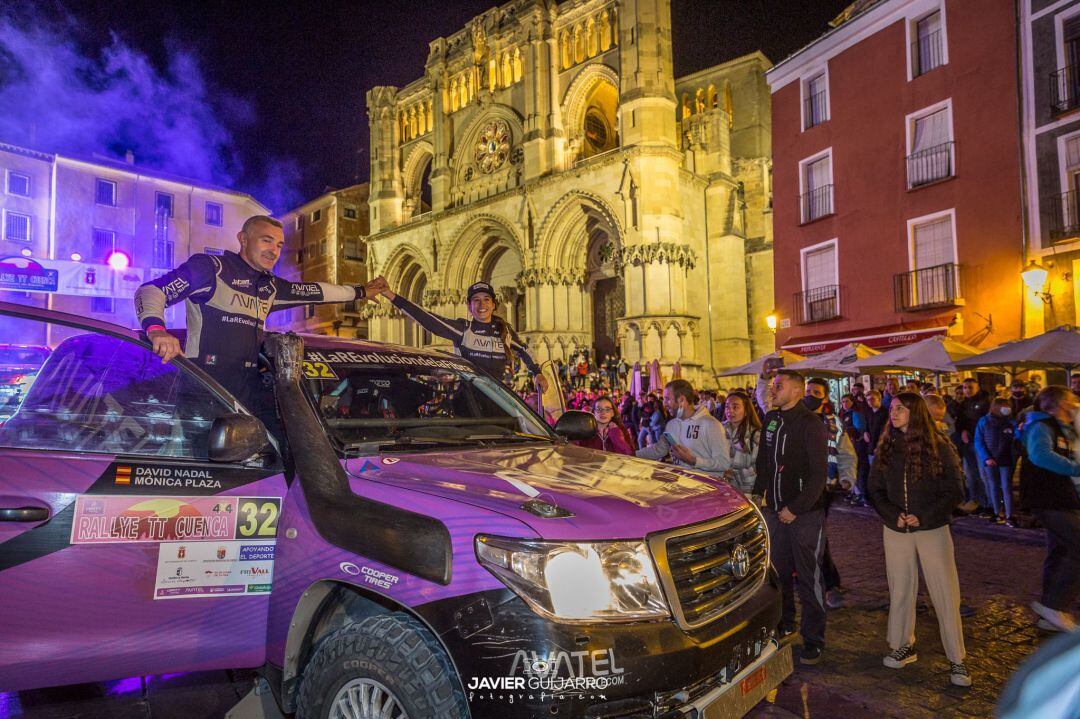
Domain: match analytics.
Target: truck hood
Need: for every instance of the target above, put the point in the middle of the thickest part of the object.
(611, 496)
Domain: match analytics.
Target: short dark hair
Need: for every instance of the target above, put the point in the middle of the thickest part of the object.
(820, 383)
(791, 374)
(683, 388)
(972, 380)
(256, 219)
(1049, 399)
(857, 384)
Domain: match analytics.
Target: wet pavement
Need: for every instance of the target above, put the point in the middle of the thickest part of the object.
(999, 575)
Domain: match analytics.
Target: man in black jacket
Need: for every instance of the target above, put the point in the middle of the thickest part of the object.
(792, 466)
(969, 411)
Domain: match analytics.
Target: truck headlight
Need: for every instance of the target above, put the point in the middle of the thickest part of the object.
(578, 581)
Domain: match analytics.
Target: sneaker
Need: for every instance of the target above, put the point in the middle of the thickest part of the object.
(1063, 621)
(966, 610)
(968, 507)
(901, 657)
(958, 675)
(1046, 626)
(784, 633)
(999, 519)
(833, 599)
(984, 513)
(810, 655)
(1011, 522)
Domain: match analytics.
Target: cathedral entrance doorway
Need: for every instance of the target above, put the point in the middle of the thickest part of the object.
(604, 284)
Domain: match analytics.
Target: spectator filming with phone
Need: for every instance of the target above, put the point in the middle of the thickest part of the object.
(692, 437)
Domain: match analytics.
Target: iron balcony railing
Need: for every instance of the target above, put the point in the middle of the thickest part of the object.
(1065, 216)
(926, 288)
(1064, 89)
(817, 305)
(927, 53)
(816, 204)
(930, 165)
(816, 110)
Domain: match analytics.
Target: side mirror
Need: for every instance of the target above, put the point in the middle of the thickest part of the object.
(575, 424)
(236, 437)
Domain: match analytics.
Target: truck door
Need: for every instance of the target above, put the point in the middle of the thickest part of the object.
(123, 550)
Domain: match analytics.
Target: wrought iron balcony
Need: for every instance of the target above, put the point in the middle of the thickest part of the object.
(816, 110)
(927, 53)
(1065, 216)
(926, 288)
(817, 305)
(815, 204)
(930, 165)
(1064, 89)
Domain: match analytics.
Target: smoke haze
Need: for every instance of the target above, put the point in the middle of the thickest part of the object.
(56, 96)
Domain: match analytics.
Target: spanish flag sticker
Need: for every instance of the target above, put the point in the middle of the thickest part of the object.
(123, 474)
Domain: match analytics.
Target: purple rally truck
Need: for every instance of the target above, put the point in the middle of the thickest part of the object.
(408, 539)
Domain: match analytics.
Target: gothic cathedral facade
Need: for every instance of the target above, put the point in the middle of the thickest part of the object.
(549, 149)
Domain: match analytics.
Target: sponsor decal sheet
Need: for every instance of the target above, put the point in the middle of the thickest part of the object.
(207, 546)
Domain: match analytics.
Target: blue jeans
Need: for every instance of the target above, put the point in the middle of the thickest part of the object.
(998, 482)
(976, 489)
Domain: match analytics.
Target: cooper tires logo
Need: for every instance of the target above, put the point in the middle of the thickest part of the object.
(349, 568)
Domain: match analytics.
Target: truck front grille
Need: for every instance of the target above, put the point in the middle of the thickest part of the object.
(700, 565)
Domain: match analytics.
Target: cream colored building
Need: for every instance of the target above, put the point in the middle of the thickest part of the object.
(324, 243)
(549, 149)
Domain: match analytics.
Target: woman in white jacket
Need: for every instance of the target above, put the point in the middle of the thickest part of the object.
(743, 429)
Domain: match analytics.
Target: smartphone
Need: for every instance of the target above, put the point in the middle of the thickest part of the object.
(772, 364)
(669, 439)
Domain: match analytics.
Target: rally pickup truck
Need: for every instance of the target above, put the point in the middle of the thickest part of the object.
(409, 540)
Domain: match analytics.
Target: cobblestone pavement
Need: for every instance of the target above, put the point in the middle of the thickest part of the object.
(999, 574)
(1000, 570)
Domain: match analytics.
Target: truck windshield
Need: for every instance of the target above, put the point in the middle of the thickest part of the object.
(415, 405)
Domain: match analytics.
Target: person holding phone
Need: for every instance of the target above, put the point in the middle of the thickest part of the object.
(692, 437)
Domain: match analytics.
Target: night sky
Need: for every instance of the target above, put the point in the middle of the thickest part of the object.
(272, 93)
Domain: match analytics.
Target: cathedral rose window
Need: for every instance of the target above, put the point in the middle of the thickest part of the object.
(493, 147)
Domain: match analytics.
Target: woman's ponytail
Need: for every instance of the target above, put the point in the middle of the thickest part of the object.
(504, 333)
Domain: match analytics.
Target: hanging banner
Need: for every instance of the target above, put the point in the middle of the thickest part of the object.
(66, 277)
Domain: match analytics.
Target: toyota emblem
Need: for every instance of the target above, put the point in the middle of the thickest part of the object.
(740, 561)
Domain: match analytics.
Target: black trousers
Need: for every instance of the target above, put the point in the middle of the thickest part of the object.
(797, 551)
(1061, 568)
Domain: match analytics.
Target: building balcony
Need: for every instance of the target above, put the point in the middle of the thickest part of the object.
(1064, 89)
(927, 53)
(927, 288)
(1065, 216)
(819, 304)
(816, 204)
(930, 165)
(815, 110)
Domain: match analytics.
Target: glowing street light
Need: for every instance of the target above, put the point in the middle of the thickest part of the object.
(770, 321)
(1034, 276)
(76, 257)
(119, 261)
(25, 252)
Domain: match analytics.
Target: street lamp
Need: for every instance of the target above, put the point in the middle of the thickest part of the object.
(1034, 276)
(770, 321)
(119, 261)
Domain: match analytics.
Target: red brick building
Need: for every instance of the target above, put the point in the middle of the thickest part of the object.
(896, 178)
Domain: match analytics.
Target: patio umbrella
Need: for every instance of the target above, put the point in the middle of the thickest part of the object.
(635, 380)
(839, 362)
(933, 354)
(756, 366)
(655, 382)
(676, 371)
(1057, 349)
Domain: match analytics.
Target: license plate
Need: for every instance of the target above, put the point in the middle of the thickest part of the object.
(737, 702)
(751, 682)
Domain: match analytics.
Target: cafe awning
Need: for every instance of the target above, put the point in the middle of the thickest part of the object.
(880, 338)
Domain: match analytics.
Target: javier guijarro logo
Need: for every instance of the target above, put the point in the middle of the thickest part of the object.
(554, 672)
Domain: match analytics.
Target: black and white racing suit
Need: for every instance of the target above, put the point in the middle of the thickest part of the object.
(228, 301)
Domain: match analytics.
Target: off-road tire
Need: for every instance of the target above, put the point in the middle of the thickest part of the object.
(394, 649)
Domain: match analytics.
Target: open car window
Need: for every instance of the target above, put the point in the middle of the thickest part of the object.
(388, 397)
(98, 393)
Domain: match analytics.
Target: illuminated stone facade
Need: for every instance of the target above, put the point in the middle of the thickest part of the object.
(549, 149)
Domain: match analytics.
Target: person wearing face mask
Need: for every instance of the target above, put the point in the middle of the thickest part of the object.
(994, 437)
(792, 467)
(1019, 399)
(692, 437)
(1049, 486)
